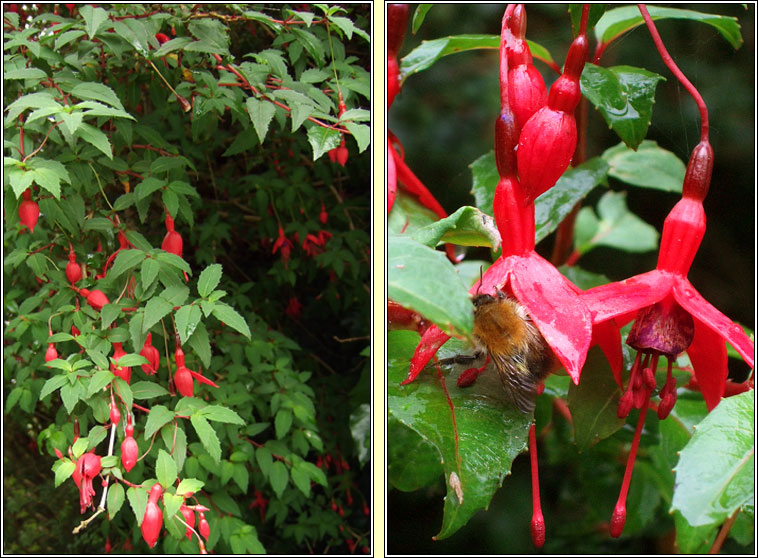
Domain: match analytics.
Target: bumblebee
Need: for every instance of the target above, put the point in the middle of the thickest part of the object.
(504, 331)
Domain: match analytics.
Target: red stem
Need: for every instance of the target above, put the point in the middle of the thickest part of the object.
(666, 57)
(538, 521)
(585, 14)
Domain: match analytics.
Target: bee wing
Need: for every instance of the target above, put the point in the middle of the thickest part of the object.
(520, 385)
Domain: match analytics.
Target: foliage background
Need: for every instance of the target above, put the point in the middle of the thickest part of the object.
(245, 191)
(444, 119)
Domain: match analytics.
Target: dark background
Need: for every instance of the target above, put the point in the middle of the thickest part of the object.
(444, 118)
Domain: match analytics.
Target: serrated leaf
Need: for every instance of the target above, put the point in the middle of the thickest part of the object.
(109, 313)
(63, 470)
(115, 499)
(209, 280)
(444, 301)
(221, 414)
(207, 436)
(148, 390)
(156, 418)
(260, 113)
(278, 477)
(282, 423)
(138, 501)
(125, 261)
(301, 479)
(187, 318)
(94, 18)
(155, 309)
(171, 504)
(149, 271)
(466, 227)
(95, 137)
(361, 133)
(99, 380)
(189, 486)
(165, 469)
(52, 384)
(200, 344)
(322, 140)
(231, 317)
(716, 470)
(650, 166)
(491, 433)
(97, 92)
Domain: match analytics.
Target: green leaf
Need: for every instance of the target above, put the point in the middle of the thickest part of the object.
(63, 469)
(97, 92)
(594, 402)
(301, 479)
(150, 269)
(649, 166)
(155, 309)
(231, 317)
(165, 469)
(207, 436)
(124, 390)
(24, 73)
(361, 133)
(620, 20)
(79, 447)
(94, 18)
(171, 504)
(419, 15)
(428, 52)
(125, 261)
(32, 100)
(490, 432)
(624, 95)
(156, 418)
(189, 486)
(413, 462)
(53, 383)
(278, 478)
(716, 470)
(148, 390)
(132, 360)
(466, 227)
(70, 395)
(200, 344)
(322, 140)
(261, 113)
(212, 37)
(148, 186)
(444, 300)
(614, 226)
(282, 423)
(360, 431)
(116, 499)
(99, 380)
(174, 260)
(220, 414)
(187, 318)
(95, 137)
(138, 501)
(109, 313)
(208, 280)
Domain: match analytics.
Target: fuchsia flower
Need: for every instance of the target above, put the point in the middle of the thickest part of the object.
(284, 244)
(87, 468)
(552, 301)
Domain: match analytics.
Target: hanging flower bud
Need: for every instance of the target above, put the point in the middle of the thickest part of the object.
(172, 242)
(203, 527)
(87, 468)
(151, 354)
(95, 298)
(129, 449)
(28, 211)
(332, 153)
(189, 519)
(323, 216)
(115, 415)
(153, 519)
(123, 372)
(548, 139)
(51, 353)
(342, 152)
(526, 88)
(73, 269)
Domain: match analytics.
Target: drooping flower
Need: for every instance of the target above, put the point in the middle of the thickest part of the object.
(151, 354)
(123, 372)
(153, 518)
(284, 244)
(129, 449)
(87, 468)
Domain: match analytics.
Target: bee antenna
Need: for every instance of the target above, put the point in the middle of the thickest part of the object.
(481, 279)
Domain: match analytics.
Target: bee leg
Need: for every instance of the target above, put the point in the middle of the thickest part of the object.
(462, 359)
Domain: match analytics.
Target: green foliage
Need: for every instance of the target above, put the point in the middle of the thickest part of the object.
(221, 117)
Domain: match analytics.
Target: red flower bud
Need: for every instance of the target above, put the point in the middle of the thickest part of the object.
(468, 377)
(153, 519)
(73, 269)
(189, 519)
(96, 298)
(342, 154)
(58, 453)
(183, 381)
(28, 211)
(323, 216)
(161, 38)
(526, 88)
(203, 527)
(51, 353)
(115, 414)
(129, 451)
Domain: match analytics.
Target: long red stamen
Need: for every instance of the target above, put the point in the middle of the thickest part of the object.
(619, 513)
(538, 521)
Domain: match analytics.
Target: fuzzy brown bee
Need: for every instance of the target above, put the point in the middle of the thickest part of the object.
(504, 331)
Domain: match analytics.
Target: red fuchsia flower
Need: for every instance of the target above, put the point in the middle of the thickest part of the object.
(94, 298)
(123, 372)
(551, 300)
(172, 242)
(153, 519)
(28, 211)
(284, 244)
(73, 269)
(323, 216)
(151, 354)
(129, 449)
(259, 502)
(183, 377)
(189, 519)
(161, 38)
(294, 308)
(202, 526)
(115, 414)
(87, 468)
(51, 353)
